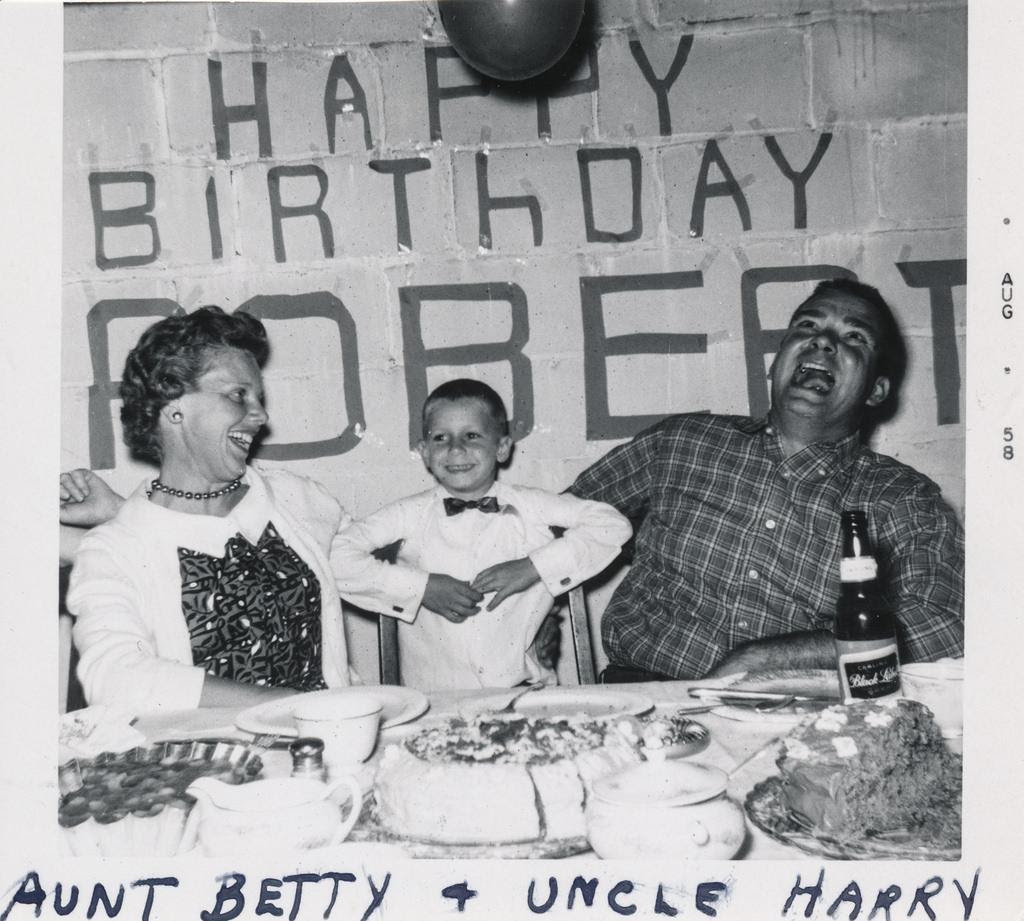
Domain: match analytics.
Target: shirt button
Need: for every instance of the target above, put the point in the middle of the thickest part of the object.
(822, 471)
(770, 430)
(770, 524)
(785, 474)
(754, 574)
(742, 623)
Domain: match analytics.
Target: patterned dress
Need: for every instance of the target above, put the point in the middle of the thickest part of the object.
(253, 615)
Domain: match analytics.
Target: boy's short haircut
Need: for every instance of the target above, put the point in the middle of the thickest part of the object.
(465, 388)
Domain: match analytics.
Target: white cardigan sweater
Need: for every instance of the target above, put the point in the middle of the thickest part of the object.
(125, 588)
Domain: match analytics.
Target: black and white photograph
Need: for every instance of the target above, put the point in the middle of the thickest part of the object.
(515, 458)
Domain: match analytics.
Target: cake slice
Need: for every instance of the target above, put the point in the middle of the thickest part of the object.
(872, 768)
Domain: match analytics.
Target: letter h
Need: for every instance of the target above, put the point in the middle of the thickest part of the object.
(487, 204)
(224, 115)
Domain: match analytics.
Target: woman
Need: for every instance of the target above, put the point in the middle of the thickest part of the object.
(211, 585)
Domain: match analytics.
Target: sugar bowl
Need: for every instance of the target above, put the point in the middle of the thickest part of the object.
(667, 810)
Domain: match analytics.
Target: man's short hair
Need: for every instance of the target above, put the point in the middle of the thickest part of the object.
(892, 349)
(465, 388)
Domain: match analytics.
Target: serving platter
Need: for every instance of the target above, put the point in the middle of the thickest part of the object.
(399, 705)
(765, 809)
(786, 715)
(594, 702)
(776, 685)
(369, 830)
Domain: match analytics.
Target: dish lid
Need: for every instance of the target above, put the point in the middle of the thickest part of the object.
(665, 783)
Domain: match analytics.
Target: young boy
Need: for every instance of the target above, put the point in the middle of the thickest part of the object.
(478, 566)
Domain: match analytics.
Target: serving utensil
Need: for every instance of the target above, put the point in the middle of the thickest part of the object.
(514, 699)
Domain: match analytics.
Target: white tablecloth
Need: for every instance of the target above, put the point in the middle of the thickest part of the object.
(744, 748)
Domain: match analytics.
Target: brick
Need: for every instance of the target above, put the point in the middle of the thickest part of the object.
(740, 13)
(609, 14)
(296, 83)
(359, 287)
(550, 174)
(189, 113)
(874, 256)
(895, 65)
(839, 194)
(923, 173)
(296, 86)
(112, 114)
(179, 212)
(321, 24)
(359, 205)
(711, 93)
(559, 423)
(504, 115)
(74, 427)
(142, 27)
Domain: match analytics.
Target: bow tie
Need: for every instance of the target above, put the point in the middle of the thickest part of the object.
(455, 506)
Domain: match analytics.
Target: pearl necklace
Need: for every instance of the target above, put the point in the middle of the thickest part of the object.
(182, 494)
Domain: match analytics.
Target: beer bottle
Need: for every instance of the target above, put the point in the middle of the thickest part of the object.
(865, 630)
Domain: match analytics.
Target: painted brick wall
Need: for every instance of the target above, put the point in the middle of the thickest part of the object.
(404, 221)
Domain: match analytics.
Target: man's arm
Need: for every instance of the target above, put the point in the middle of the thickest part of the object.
(921, 542)
(623, 477)
(369, 582)
(805, 649)
(923, 572)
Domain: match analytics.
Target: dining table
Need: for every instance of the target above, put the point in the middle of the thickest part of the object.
(742, 741)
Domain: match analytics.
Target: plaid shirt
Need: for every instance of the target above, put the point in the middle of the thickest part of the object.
(739, 542)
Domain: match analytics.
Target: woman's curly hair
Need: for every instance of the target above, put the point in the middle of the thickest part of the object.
(168, 360)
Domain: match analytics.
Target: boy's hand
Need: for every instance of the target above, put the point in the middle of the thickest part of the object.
(86, 500)
(452, 599)
(506, 579)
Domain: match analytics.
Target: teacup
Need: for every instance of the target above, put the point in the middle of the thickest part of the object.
(939, 686)
(347, 723)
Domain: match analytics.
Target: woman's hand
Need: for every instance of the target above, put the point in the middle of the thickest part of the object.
(86, 500)
(506, 579)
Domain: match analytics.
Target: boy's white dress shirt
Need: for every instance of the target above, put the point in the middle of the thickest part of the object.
(491, 648)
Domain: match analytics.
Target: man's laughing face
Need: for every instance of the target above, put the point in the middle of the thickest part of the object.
(826, 369)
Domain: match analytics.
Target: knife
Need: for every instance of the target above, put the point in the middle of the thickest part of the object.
(739, 694)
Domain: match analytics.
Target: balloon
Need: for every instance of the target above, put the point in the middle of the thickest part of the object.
(511, 39)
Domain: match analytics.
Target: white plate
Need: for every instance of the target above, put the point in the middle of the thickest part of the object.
(664, 783)
(786, 716)
(594, 702)
(400, 705)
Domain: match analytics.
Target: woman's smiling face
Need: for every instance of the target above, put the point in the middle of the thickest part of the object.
(212, 427)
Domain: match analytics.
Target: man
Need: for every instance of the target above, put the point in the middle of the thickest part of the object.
(736, 565)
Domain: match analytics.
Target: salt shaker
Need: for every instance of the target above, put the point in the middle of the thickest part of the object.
(308, 758)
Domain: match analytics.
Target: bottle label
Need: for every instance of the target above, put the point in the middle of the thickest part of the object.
(868, 669)
(857, 569)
